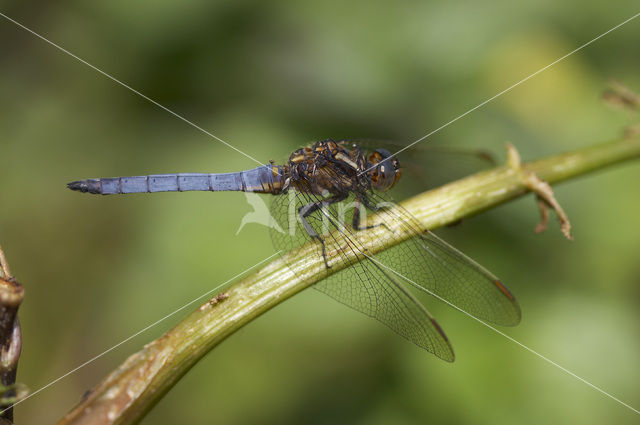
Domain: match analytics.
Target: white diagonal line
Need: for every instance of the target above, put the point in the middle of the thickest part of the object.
(130, 88)
(136, 334)
(511, 87)
(531, 350)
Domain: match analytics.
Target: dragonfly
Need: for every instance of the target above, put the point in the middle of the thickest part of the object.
(311, 191)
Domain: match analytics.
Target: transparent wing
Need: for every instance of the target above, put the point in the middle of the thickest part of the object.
(427, 165)
(369, 288)
(434, 266)
(366, 286)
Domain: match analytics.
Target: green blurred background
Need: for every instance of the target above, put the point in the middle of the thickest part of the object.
(268, 77)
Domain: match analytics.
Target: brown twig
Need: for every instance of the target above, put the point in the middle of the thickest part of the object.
(11, 295)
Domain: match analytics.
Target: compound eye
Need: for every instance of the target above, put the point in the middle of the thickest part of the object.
(384, 176)
(386, 171)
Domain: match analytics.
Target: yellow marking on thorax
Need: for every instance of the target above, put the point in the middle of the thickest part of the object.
(298, 158)
(342, 157)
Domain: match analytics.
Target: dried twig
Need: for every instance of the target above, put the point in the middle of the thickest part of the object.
(11, 295)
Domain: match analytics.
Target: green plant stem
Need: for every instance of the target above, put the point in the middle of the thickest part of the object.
(126, 394)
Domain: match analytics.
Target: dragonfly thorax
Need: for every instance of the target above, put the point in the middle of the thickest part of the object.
(327, 167)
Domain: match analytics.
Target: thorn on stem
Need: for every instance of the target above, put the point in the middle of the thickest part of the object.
(621, 97)
(543, 191)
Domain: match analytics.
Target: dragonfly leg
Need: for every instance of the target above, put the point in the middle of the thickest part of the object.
(373, 207)
(306, 210)
(356, 215)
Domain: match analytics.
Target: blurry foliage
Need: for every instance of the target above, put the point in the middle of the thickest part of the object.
(268, 77)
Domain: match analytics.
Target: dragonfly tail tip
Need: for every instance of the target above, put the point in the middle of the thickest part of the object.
(85, 186)
(79, 185)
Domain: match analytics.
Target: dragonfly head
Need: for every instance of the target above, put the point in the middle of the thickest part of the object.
(385, 169)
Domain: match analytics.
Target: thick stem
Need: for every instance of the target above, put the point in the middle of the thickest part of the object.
(125, 395)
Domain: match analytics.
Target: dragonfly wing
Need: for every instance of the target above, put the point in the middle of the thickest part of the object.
(366, 285)
(284, 216)
(369, 288)
(434, 266)
(430, 165)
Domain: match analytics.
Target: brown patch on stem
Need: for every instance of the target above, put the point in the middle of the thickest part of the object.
(215, 300)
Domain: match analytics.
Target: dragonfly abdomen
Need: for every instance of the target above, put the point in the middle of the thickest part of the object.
(264, 179)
